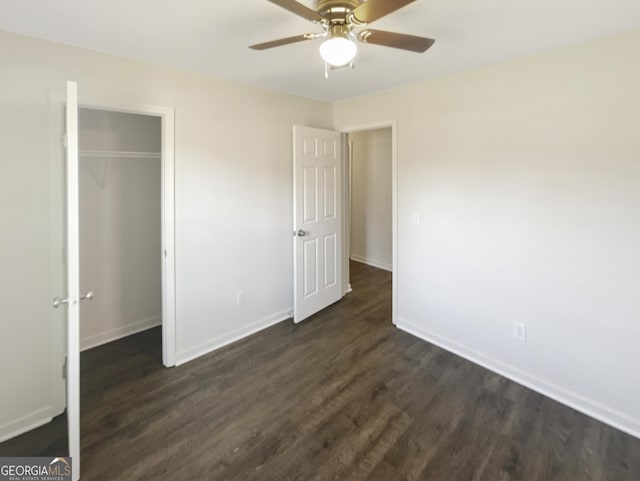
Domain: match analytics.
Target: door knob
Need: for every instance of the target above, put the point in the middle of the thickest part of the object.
(88, 296)
(57, 301)
(300, 233)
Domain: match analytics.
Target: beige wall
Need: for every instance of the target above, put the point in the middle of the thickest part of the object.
(371, 240)
(26, 349)
(233, 202)
(527, 178)
(120, 236)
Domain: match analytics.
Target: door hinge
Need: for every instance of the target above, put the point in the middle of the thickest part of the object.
(64, 369)
(64, 140)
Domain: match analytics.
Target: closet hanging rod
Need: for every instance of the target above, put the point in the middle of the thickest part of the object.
(120, 154)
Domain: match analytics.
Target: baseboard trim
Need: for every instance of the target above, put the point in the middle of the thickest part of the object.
(371, 262)
(26, 423)
(101, 338)
(347, 289)
(231, 337)
(575, 401)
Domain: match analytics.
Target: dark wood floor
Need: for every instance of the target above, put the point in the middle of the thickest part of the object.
(342, 396)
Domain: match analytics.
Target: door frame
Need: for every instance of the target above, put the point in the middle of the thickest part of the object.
(346, 192)
(167, 116)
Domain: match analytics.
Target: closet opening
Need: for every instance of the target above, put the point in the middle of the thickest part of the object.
(122, 232)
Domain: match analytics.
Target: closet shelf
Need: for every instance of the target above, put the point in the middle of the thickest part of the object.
(119, 154)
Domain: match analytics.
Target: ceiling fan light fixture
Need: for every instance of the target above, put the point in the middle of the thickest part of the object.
(338, 19)
(338, 51)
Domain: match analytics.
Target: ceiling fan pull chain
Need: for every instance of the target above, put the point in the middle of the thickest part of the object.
(326, 69)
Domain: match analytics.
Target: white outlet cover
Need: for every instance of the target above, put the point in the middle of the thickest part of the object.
(415, 217)
(520, 331)
(240, 297)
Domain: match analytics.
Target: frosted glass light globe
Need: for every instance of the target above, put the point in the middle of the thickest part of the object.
(338, 51)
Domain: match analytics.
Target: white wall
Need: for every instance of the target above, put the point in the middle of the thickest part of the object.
(120, 236)
(233, 201)
(25, 291)
(527, 179)
(371, 231)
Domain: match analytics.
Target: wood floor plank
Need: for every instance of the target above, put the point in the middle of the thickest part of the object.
(342, 396)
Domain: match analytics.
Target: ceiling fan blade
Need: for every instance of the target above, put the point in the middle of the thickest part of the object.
(372, 10)
(281, 41)
(299, 9)
(396, 40)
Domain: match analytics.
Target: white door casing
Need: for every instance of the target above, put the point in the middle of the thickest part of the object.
(58, 248)
(317, 220)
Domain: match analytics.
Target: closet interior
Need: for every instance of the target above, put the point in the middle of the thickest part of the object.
(120, 198)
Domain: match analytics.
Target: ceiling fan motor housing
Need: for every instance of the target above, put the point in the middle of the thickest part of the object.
(338, 19)
(339, 31)
(336, 10)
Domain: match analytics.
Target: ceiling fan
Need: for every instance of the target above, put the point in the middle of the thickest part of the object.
(338, 19)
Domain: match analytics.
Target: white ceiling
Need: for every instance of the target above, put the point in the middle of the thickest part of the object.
(211, 36)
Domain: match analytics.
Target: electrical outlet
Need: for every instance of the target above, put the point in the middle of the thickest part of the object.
(520, 331)
(240, 297)
(415, 217)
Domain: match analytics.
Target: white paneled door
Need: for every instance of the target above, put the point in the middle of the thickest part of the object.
(317, 220)
(66, 258)
(73, 280)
